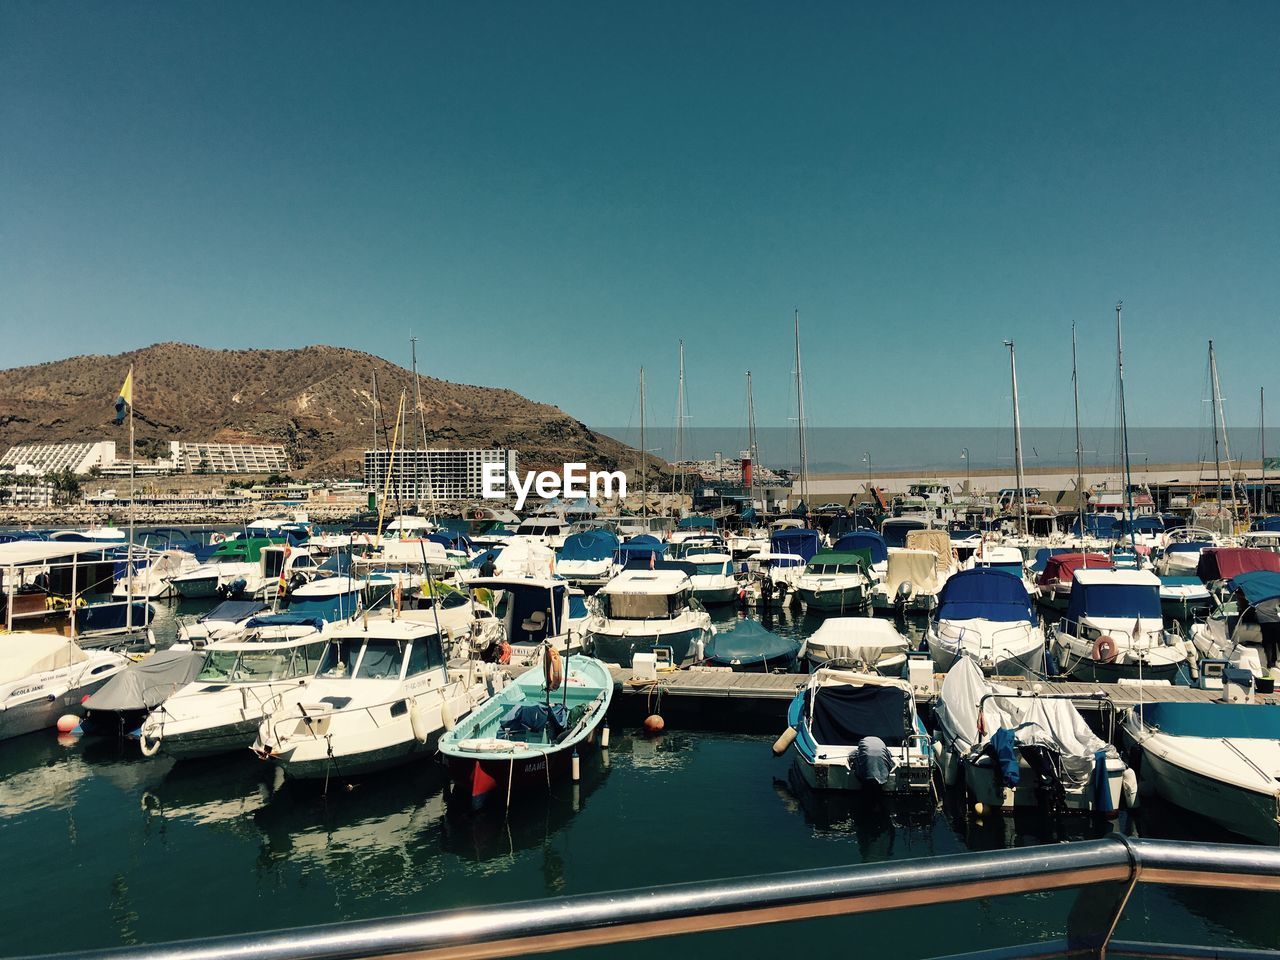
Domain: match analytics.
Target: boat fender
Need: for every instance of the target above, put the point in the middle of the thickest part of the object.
(552, 668)
(1104, 650)
(149, 747)
(447, 719)
(487, 745)
(68, 723)
(1129, 788)
(419, 722)
(783, 742)
(950, 768)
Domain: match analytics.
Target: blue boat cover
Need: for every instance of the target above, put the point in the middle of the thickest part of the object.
(802, 542)
(895, 530)
(1245, 721)
(748, 643)
(1138, 525)
(864, 540)
(987, 593)
(534, 718)
(843, 714)
(590, 545)
(1257, 586)
(1097, 525)
(287, 620)
(1266, 523)
(478, 560)
(696, 523)
(644, 563)
(338, 563)
(748, 514)
(643, 546)
(1122, 600)
(1188, 546)
(1043, 555)
(1182, 581)
(232, 610)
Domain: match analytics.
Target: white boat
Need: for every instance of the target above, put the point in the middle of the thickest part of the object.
(1238, 629)
(225, 620)
(859, 731)
(713, 578)
(330, 598)
(548, 531)
(586, 559)
(911, 582)
(245, 566)
(641, 610)
(532, 611)
(382, 697)
(519, 558)
(1022, 751)
(1218, 760)
(43, 676)
(1114, 629)
(985, 614)
(152, 575)
(242, 681)
(1010, 559)
(870, 643)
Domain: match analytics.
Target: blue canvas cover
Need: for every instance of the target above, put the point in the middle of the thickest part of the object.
(287, 619)
(985, 593)
(1100, 525)
(895, 530)
(1257, 586)
(686, 567)
(534, 718)
(590, 545)
(696, 523)
(748, 643)
(232, 610)
(1245, 721)
(1266, 523)
(1188, 546)
(1138, 525)
(864, 540)
(1115, 600)
(843, 714)
(1043, 555)
(802, 542)
(643, 547)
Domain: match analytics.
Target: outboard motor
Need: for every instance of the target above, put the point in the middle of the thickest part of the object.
(906, 590)
(872, 762)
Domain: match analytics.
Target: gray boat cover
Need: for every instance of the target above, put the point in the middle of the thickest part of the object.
(147, 683)
(1055, 724)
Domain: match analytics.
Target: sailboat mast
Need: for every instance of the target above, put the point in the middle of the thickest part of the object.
(680, 420)
(1217, 456)
(1075, 395)
(751, 442)
(1124, 427)
(1226, 438)
(420, 440)
(1262, 448)
(644, 489)
(804, 451)
(1017, 438)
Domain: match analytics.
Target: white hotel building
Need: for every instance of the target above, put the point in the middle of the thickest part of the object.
(433, 474)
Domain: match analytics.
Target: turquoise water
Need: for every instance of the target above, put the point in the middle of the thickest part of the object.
(128, 850)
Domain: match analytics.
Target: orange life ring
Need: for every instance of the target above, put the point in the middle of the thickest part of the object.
(1105, 650)
(552, 668)
(504, 652)
(217, 537)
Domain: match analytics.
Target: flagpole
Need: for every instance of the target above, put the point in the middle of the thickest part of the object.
(129, 560)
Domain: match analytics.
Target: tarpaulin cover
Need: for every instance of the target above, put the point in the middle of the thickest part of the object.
(289, 619)
(863, 639)
(935, 541)
(917, 567)
(233, 611)
(865, 540)
(1188, 546)
(985, 593)
(1043, 555)
(1097, 525)
(872, 761)
(1237, 721)
(147, 683)
(589, 545)
(1257, 586)
(688, 568)
(748, 643)
(534, 718)
(802, 542)
(1114, 600)
(895, 530)
(1266, 523)
(24, 654)
(843, 714)
(1062, 566)
(696, 523)
(644, 545)
(1226, 563)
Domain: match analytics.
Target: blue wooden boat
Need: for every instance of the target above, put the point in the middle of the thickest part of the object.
(528, 735)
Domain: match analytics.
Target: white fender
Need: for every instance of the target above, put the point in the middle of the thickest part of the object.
(447, 719)
(152, 749)
(419, 722)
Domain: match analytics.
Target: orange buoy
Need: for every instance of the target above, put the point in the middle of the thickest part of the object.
(654, 723)
(68, 722)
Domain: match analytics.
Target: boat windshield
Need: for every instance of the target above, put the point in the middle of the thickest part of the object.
(832, 568)
(219, 665)
(710, 569)
(339, 659)
(643, 606)
(269, 663)
(381, 660)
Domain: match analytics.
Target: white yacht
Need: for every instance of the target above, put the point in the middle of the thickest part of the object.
(985, 614)
(713, 578)
(152, 574)
(640, 610)
(43, 676)
(869, 643)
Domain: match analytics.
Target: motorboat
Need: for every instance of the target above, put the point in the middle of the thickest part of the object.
(713, 579)
(912, 580)
(1015, 750)
(548, 531)
(43, 676)
(151, 574)
(383, 696)
(985, 614)
(120, 705)
(529, 736)
(586, 559)
(1009, 559)
(223, 621)
(1114, 629)
(1245, 628)
(240, 681)
(640, 610)
(234, 569)
(868, 643)
(747, 646)
(1218, 760)
(1184, 598)
(330, 598)
(859, 731)
(532, 612)
(874, 545)
(1053, 586)
(835, 582)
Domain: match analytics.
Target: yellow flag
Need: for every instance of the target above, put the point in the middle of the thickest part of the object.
(126, 392)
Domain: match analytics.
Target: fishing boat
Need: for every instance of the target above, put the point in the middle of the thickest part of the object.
(382, 696)
(532, 612)
(747, 646)
(530, 735)
(859, 731)
(1114, 629)
(1218, 760)
(985, 614)
(1014, 750)
(713, 579)
(1245, 628)
(866, 643)
(43, 676)
(641, 610)
(240, 681)
(835, 582)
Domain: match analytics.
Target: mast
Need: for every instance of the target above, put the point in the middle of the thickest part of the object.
(804, 451)
(751, 442)
(680, 408)
(1017, 438)
(421, 437)
(644, 489)
(1262, 448)
(1075, 392)
(1124, 427)
(129, 559)
(1215, 400)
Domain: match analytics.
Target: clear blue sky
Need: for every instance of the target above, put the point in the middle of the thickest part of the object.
(550, 194)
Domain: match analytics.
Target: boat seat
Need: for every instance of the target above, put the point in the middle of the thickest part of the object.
(534, 624)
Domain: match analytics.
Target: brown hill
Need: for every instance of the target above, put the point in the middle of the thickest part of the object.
(316, 401)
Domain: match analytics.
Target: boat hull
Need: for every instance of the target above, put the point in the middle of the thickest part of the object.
(713, 596)
(211, 741)
(359, 764)
(619, 649)
(201, 588)
(43, 714)
(842, 600)
(483, 782)
(1020, 664)
(1095, 671)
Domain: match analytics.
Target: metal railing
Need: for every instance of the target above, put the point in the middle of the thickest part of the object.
(1105, 871)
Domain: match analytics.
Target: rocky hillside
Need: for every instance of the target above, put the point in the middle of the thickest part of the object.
(316, 401)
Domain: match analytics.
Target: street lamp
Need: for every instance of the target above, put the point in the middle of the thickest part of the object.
(964, 455)
(866, 458)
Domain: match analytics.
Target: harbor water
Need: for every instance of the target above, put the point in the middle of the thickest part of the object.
(125, 850)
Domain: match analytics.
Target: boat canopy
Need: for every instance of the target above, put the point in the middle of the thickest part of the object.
(22, 654)
(247, 549)
(1043, 555)
(1188, 546)
(643, 546)
(985, 593)
(590, 545)
(287, 619)
(1227, 563)
(936, 541)
(800, 541)
(1226, 721)
(1115, 595)
(917, 567)
(1257, 586)
(696, 523)
(1060, 567)
(748, 642)
(233, 611)
(862, 639)
(839, 561)
(867, 540)
(843, 714)
(149, 682)
(1266, 523)
(895, 529)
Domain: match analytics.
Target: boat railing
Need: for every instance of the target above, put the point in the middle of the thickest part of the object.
(1104, 873)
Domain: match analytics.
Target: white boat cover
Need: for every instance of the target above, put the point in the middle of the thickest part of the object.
(937, 542)
(145, 684)
(528, 558)
(1055, 724)
(861, 639)
(917, 567)
(24, 654)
